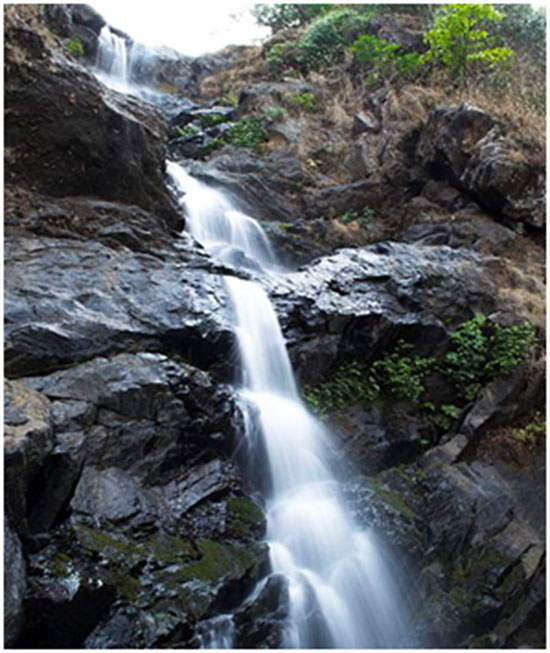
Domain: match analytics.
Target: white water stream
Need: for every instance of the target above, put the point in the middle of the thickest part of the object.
(341, 592)
(112, 60)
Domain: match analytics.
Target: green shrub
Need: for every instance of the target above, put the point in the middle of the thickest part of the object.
(280, 55)
(480, 351)
(483, 350)
(508, 347)
(76, 48)
(458, 40)
(327, 37)
(305, 100)
(465, 364)
(401, 375)
(187, 131)
(382, 59)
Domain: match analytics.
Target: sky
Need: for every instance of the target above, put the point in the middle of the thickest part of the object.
(193, 27)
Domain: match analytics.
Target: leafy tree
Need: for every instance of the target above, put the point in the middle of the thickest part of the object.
(458, 40)
(280, 16)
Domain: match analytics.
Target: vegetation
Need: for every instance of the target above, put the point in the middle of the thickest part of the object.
(480, 351)
(75, 47)
(281, 16)
(459, 41)
(360, 217)
(212, 119)
(305, 100)
(187, 131)
(249, 132)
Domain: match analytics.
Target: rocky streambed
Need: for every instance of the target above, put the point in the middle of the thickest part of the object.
(131, 512)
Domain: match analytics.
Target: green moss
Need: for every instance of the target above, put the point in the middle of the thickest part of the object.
(392, 499)
(246, 509)
(124, 583)
(61, 566)
(75, 47)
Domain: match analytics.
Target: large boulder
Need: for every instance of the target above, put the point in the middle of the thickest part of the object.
(469, 148)
(68, 300)
(360, 301)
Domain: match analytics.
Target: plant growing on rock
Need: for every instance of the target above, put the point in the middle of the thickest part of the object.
(304, 100)
(75, 47)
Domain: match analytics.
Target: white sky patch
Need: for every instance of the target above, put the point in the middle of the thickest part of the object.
(192, 28)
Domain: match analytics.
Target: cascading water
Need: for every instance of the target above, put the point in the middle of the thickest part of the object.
(112, 59)
(341, 593)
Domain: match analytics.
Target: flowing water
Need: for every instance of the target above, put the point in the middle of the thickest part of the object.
(112, 59)
(341, 592)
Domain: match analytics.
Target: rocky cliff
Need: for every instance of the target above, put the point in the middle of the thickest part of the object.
(133, 512)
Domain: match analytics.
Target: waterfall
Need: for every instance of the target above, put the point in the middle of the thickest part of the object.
(215, 222)
(112, 59)
(341, 591)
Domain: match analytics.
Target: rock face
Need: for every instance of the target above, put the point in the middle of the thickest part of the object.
(132, 518)
(468, 147)
(109, 146)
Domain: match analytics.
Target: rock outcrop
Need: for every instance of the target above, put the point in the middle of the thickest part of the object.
(133, 516)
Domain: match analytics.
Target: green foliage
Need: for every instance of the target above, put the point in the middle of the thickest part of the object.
(305, 100)
(249, 131)
(523, 27)
(401, 375)
(75, 47)
(458, 40)
(508, 346)
(230, 100)
(281, 16)
(279, 56)
(533, 431)
(382, 59)
(351, 382)
(361, 217)
(483, 350)
(465, 364)
(275, 113)
(187, 131)
(327, 37)
(212, 119)
(443, 416)
(480, 351)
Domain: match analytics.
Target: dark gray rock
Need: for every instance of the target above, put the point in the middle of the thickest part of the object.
(111, 496)
(467, 146)
(373, 296)
(111, 146)
(77, 300)
(15, 584)
(150, 414)
(260, 621)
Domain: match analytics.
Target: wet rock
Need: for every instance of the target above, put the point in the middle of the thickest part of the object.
(269, 187)
(57, 314)
(111, 146)
(15, 583)
(376, 438)
(367, 297)
(506, 399)
(151, 414)
(260, 622)
(111, 496)
(467, 146)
